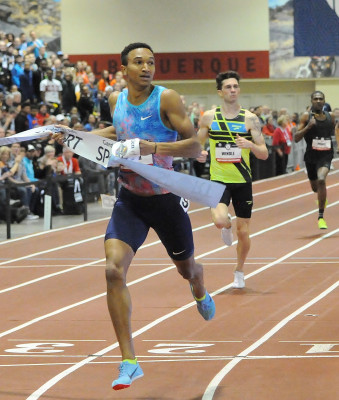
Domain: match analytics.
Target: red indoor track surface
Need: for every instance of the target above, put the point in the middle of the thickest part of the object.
(277, 339)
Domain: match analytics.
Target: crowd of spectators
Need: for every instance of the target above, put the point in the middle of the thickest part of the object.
(40, 88)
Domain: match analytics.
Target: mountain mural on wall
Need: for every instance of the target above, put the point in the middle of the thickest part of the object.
(43, 16)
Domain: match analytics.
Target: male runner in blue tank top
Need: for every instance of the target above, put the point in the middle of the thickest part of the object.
(317, 129)
(233, 133)
(156, 116)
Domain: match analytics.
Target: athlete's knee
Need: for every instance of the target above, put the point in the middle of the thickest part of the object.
(186, 273)
(188, 269)
(222, 222)
(321, 181)
(243, 232)
(314, 186)
(114, 273)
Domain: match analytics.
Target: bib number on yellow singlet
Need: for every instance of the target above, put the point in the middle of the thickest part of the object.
(227, 153)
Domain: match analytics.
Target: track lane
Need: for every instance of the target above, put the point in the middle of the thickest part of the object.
(213, 237)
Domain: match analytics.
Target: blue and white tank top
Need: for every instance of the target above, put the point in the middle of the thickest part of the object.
(144, 122)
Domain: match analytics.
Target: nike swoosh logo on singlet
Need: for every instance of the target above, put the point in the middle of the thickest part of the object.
(143, 118)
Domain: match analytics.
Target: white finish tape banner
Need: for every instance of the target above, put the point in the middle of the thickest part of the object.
(98, 149)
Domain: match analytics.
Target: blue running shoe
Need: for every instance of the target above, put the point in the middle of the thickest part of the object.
(205, 307)
(127, 374)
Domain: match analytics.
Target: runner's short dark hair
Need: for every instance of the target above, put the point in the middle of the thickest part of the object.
(317, 92)
(130, 47)
(226, 75)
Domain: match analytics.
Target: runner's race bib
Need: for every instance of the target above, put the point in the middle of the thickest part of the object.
(227, 153)
(321, 144)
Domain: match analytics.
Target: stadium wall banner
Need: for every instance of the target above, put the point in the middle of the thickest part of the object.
(187, 66)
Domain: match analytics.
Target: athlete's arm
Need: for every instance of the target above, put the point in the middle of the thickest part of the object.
(258, 145)
(174, 116)
(336, 130)
(304, 126)
(204, 127)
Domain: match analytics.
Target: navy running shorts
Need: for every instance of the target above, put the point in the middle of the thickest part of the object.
(241, 196)
(134, 215)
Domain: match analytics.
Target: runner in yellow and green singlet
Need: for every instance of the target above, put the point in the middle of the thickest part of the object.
(233, 133)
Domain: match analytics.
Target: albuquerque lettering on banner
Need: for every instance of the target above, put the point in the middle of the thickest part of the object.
(182, 66)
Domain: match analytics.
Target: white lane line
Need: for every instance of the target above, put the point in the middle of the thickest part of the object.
(57, 340)
(172, 267)
(94, 262)
(287, 186)
(213, 385)
(210, 358)
(10, 241)
(50, 383)
(275, 189)
(258, 182)
(20, 285)
(65, 246)
(291, 199)
(147, 245)
(60, 310)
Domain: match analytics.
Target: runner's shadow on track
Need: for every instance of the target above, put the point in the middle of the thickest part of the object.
(244, 292)
(315, 236)
(162, 398)
(9, 395)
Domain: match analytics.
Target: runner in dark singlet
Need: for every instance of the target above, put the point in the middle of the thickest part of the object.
(317, 128)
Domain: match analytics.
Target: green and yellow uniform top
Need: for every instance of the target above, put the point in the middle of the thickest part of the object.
(229, 163)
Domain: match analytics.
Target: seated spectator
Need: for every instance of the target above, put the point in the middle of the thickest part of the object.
(70, 163)
(18, 175)
(17, 100)
(92, 123)
(104, 124)
(5, 153)
(72, 201)
(42, 114)
(16, 155)
(268, 128)
(9, 124)
(17, 212)
(48, 166)
(31, 116)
